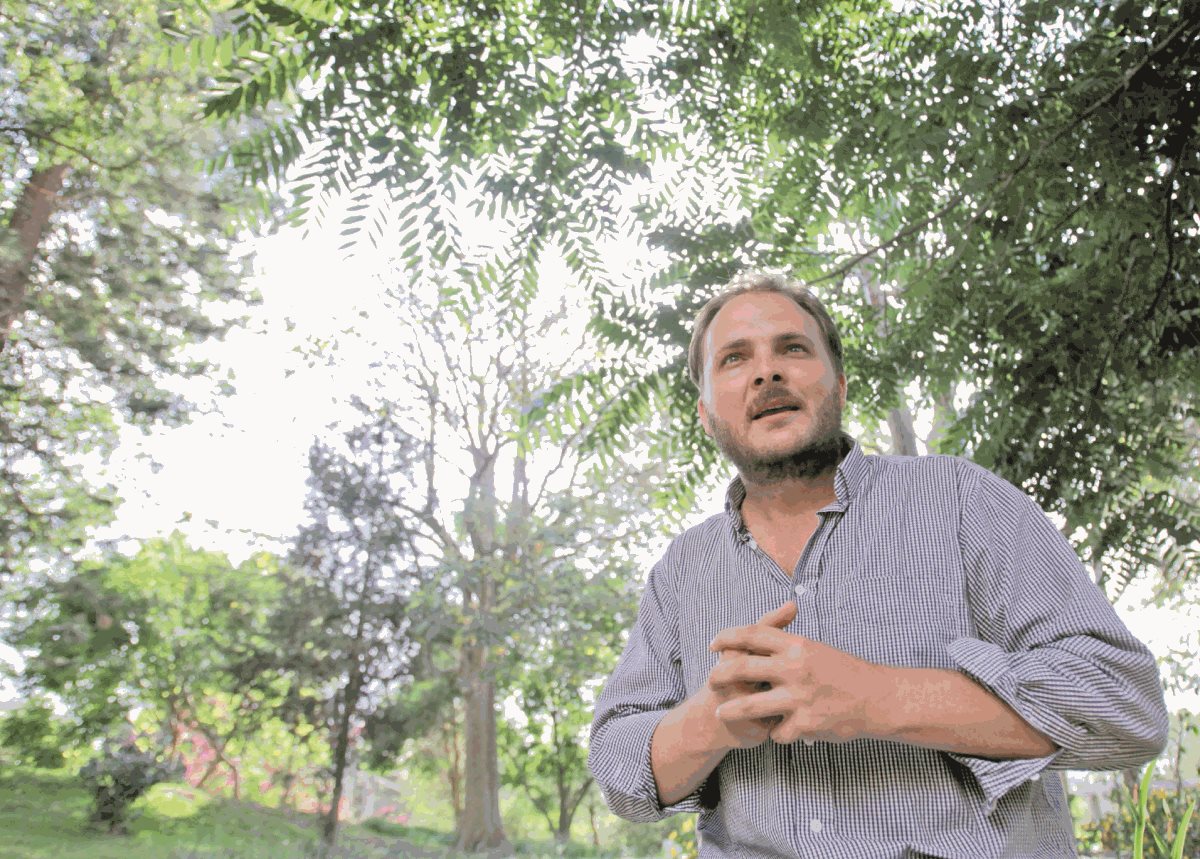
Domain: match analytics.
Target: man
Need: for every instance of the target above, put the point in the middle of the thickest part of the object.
(864, 656)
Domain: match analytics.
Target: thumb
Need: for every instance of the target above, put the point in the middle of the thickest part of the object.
(780, 617)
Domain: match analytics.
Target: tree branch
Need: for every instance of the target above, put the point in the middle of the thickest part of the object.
(1007, 179)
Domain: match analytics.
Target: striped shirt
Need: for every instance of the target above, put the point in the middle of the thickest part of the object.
(921, 561)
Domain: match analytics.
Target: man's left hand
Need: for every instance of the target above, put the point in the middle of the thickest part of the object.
(816, 691)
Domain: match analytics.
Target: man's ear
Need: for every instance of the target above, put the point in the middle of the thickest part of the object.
(842, 391)
(703, 412)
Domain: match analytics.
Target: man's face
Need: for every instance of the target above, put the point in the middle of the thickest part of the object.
(770, 396)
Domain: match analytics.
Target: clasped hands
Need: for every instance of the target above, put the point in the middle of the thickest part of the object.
(770, 683)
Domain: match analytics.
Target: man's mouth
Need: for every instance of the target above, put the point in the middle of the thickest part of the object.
(775, 410)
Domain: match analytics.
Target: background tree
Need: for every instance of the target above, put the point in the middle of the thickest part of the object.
(559, 665)
(504, 520)
(345, 637)
(32, 735)
(465, 390)
(158, 634)
(116, 252)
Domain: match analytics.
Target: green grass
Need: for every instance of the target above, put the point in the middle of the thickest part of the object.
(44, 815)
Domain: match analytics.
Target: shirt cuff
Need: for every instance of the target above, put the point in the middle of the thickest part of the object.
(999, 672)
(632, 792)
(996, 778)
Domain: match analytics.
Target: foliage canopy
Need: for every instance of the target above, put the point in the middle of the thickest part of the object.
(999, 201)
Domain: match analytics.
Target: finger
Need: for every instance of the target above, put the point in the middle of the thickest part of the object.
(745, 670)
(780, 617)
(760, 705)
(777, 618)
(795, 727)
(763, 640)
(783, 734)
(730, 654)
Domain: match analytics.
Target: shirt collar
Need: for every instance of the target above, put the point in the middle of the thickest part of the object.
(847, 481)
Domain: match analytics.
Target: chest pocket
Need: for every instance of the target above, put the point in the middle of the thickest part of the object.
(903, 611)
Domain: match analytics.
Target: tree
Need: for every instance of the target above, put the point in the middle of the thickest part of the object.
(344, 639)
(118, 776)
(973, 213)
(502, 520)
(467, 391)
(558, 666)
(32, 734)
(1016, 183)
(160, 633)
(116, 252)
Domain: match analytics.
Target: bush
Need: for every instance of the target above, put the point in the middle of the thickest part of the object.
(641, 839)
(33, 735)
(1165, 811)
(119, 775)
(683, 840)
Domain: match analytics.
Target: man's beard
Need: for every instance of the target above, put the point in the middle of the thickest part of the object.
(813, 456)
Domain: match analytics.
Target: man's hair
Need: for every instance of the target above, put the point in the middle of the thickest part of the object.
(760, 282)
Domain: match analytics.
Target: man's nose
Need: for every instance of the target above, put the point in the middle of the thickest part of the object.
(761, 377)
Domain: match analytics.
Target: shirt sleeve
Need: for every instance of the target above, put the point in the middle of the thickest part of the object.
(1050, 645)
(647, 682)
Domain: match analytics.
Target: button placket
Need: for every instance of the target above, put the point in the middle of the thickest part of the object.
(804, 577)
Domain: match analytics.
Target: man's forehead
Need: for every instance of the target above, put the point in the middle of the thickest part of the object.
(759, 313)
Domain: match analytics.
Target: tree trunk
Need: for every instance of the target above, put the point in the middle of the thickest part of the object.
(592, 821)
(571, 806)
(900, 421)
(454, 774)
(341, 751)
(233, 771)
(944, 415)
(562, 832)
(288, 780)
(27, 225)
(482, 830)
(904, 437)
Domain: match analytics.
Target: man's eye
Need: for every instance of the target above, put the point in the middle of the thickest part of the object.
(730, 358)
(797, 347)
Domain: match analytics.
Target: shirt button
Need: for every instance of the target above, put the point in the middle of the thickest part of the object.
(815, 826)
(800, 590)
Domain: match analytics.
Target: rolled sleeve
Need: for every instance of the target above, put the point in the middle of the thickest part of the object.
(1051, 646)
(989, 666)
(627, 780)
(647, 682)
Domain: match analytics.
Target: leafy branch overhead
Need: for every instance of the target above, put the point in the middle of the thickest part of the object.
(1016, 184)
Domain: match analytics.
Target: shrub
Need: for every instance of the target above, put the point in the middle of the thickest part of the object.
(119, 775)
(683, 841)
(33, 735)
(1164, 825)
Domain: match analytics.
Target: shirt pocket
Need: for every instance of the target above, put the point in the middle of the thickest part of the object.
(901, 613)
